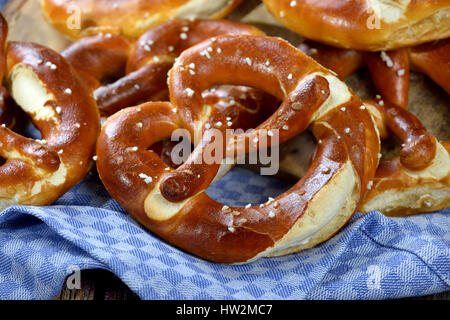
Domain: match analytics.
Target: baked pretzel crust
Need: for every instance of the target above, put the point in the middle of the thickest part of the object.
(371, 25)
(130, 18)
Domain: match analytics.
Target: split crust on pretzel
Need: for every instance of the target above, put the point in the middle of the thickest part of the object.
(47, 88)
(142, 66)
(130, 18)
(309, 213)
(371, 25)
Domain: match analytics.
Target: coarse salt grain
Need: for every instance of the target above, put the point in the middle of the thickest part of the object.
(189, 92)
(146, 178)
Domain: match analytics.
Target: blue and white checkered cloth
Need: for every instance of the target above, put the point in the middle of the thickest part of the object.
(373, 257)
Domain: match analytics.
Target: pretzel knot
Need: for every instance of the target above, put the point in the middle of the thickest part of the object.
(45, 86)
(310, 212)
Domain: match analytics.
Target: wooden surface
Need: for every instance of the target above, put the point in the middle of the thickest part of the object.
(97, 285)
(427, 101)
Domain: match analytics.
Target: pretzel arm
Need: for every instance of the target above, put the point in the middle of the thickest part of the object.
(102, 57)
(28, 150)
(416, 181)
(419, 145)
(145, 84)
(296, 111)
(433, 59)
(342, 61)
(99, 57)
(390, 74)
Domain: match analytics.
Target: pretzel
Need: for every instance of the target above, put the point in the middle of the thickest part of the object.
(171, 202)
(418, 180)
(142, 66)
(370, 25)
(131, 18)
(46, 87)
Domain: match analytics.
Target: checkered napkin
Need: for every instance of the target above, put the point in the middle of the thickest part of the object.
(373, 257)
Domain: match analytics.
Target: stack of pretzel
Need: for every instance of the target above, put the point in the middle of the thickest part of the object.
(149, 77)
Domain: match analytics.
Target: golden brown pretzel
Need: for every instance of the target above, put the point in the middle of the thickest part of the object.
(130, 18)
(147, 61)
(418, 180)
(307, 214)
(48, 89)
(370, 25)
